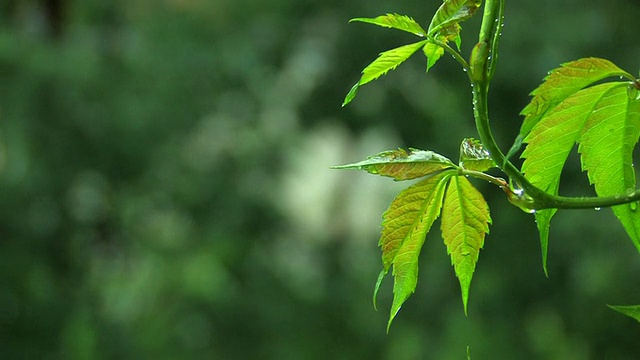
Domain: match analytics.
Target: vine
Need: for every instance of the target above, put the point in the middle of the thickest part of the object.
(572, 106)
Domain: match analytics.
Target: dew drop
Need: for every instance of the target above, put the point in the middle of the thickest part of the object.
(633, 92)
(597, 208)
(633, 206)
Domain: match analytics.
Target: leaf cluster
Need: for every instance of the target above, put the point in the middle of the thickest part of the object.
(444, 28)
(603, 119)
(443, 192)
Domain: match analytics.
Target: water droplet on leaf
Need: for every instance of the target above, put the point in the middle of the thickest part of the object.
(597, 208)
(633, 92)
(633, 206)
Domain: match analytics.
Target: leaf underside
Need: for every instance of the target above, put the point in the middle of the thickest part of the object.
(402, 165)
(465, 222)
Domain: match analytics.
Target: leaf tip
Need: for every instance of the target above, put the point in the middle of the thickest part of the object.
(383, 272)
(632, 311)
(465, 300)
(351, 94)
(391, 317)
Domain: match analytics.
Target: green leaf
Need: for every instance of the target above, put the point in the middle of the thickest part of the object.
(553, 137)
(401, 165)
(395, 21)
(381, 276)
(473, 156)
(543, 221)
(452, 12)
(606, 145)
(351, 95)
(605, 122)
(465, 221)
(405, 225)
(387, 60)
(632, 311)
(433, 53)
(550, 142)
(560, 84)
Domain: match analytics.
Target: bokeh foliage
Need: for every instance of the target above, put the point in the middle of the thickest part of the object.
(165, 187)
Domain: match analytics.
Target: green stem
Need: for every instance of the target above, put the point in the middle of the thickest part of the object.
(482, 69)
(484, 176)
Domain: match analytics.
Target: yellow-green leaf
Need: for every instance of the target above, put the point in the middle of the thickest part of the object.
(606, 147)
(402, 165)
(452, 12)
(433, 53)
(543, 222)
(387, 60)
(473, 156)
(605, 121)
(395, 21)
(561, 83)
(405, 225)
(465, 222)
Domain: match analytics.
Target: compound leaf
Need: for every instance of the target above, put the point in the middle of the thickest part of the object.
(605, 121)
(405, 225)
(632, 311)
(549, 144)
(465, 222)
(402, 165)
(473, 156)
(558, 85)
(387, 60)
(606, 147)
(395, 21)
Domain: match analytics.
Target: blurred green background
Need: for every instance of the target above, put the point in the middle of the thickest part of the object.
(165, 189)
